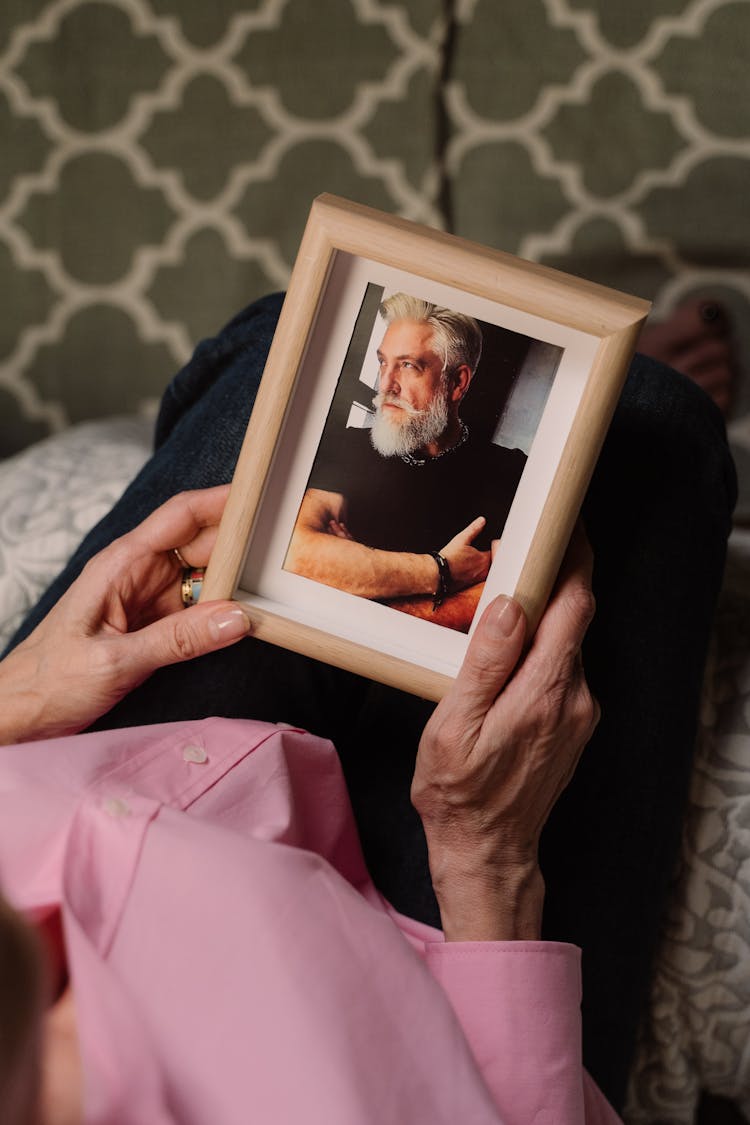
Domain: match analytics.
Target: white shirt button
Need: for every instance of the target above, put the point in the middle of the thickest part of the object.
(115, 806)
(195, 754)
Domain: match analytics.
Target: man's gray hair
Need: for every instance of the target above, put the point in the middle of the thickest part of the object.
(456, 335)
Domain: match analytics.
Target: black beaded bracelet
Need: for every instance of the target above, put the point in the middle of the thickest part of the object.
(444, 580)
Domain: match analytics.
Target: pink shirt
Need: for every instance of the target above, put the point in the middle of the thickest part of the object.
(233, 963)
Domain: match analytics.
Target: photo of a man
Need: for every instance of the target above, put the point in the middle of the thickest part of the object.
(405, 510)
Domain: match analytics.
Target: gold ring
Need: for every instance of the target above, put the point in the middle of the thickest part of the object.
(190, 586)
(182, 561)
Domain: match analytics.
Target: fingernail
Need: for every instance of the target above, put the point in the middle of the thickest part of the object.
(229, 624)
(505, 616)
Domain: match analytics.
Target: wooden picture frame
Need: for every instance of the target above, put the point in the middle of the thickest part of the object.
(349, 256)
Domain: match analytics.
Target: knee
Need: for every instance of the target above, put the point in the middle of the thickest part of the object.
(668, 441)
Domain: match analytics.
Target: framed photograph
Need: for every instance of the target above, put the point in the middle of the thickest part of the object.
(428, 421)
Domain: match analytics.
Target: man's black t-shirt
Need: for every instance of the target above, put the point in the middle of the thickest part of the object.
(397, 506)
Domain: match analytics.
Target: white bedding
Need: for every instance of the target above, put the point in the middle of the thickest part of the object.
(698, 1032)
(51, 494)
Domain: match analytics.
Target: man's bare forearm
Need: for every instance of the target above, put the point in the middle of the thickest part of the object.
(456, 612)
(323, 549)
(357, 569)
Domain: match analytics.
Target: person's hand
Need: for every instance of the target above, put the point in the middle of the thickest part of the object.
(121, 620)
(697, 339)
(339, 529)
(467, 565)
(495, 756)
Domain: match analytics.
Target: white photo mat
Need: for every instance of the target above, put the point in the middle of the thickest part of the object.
(357, 619)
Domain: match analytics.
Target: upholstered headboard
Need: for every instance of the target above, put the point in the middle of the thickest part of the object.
(159, 159)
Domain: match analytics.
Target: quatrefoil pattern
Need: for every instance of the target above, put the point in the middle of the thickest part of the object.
(159, 160)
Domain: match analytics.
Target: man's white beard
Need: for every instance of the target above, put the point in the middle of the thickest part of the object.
(398, 439)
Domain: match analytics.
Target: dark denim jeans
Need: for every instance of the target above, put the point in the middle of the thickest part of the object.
(657, 513)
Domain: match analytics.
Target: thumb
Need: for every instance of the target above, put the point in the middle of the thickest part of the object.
(491, 656)
(464, 537)
(470, 532)
(184, 635)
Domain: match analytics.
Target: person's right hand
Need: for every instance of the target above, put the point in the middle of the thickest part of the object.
(120, 620)
(467, 564)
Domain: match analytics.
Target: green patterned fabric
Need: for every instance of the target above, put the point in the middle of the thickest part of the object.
(159, 158)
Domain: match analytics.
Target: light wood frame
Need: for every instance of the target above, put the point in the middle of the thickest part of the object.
(609, 320)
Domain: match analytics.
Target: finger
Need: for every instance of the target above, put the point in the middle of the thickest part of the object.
(578, 559)
(181, 636)
(712, 378)
(564, 623)
(692, 321)
(180, 520)
(707, 356)
(490, 658)
(584, 710)
(471, 531)
(197, 552)
(338, 529)
(145, 558)
(555, 647)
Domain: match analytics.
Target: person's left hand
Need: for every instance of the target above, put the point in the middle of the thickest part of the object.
(496, 754)
(120, 620)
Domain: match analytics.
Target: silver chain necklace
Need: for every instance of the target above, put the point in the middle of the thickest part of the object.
(419, 461)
